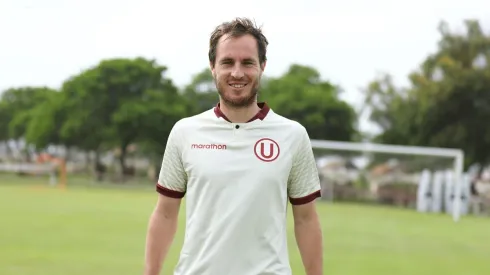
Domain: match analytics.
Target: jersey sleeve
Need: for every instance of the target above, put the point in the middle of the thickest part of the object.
(304, 181)
(172, 180)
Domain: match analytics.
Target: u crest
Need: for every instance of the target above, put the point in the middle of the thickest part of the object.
(267, 149)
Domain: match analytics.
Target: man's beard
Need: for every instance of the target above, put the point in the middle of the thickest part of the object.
(242, 102)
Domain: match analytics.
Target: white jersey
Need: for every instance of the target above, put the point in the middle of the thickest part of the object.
(237, 179)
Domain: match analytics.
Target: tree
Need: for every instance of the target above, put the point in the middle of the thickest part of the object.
(301, 95)
(45, 122)
(201, 92)
(17, 103)
(16, 109)
(120, 102)
(5, 118)
(157, 120)
(448, 101)
(393, 110)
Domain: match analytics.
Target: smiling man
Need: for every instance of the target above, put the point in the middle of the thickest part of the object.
(237, 164)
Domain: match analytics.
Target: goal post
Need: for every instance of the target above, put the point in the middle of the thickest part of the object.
(373, 160)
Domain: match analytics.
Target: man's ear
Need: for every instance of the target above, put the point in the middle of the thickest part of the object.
(262, 66)
(212, 68)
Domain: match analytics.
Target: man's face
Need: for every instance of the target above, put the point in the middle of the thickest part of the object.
(237, 70)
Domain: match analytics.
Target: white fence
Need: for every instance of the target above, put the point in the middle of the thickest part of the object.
(32, 169)
(27, 168)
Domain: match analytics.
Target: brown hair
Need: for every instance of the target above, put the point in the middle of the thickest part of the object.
(236, 28)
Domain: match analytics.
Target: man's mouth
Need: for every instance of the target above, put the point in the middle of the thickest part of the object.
(238, 86)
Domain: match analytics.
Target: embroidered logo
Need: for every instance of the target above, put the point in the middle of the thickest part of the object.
(267, 149)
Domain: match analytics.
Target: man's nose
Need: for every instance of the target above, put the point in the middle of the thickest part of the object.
(237, 72)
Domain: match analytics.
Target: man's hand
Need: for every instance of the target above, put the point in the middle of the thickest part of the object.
(309, 237)
(161, 231)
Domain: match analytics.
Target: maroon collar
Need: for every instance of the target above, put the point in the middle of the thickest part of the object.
(264, 110)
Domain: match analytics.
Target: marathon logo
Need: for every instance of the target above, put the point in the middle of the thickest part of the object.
(209, 146)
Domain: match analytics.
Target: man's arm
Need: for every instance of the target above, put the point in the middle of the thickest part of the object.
(171, 186)
(161, 231)
(308, 234)
(303, 189)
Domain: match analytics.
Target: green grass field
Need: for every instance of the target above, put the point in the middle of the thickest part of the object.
(92, 231)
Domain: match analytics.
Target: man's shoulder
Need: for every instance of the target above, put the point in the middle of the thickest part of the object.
(290, 125)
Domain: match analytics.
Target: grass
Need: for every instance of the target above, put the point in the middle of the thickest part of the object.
(88, 230)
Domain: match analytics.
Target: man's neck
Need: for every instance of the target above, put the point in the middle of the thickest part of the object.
(239, 115)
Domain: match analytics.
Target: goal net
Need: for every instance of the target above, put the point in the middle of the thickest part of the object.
(420, 178)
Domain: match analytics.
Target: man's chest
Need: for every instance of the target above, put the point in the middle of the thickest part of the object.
(237, 153)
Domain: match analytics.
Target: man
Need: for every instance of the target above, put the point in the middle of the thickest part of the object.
(237, 164)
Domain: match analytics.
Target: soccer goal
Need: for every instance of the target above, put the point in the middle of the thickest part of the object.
(421, 178)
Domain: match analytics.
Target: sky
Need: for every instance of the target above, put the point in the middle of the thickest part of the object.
(349, 42)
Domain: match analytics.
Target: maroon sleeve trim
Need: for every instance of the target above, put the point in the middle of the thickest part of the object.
(306, 199)
(169, 193)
